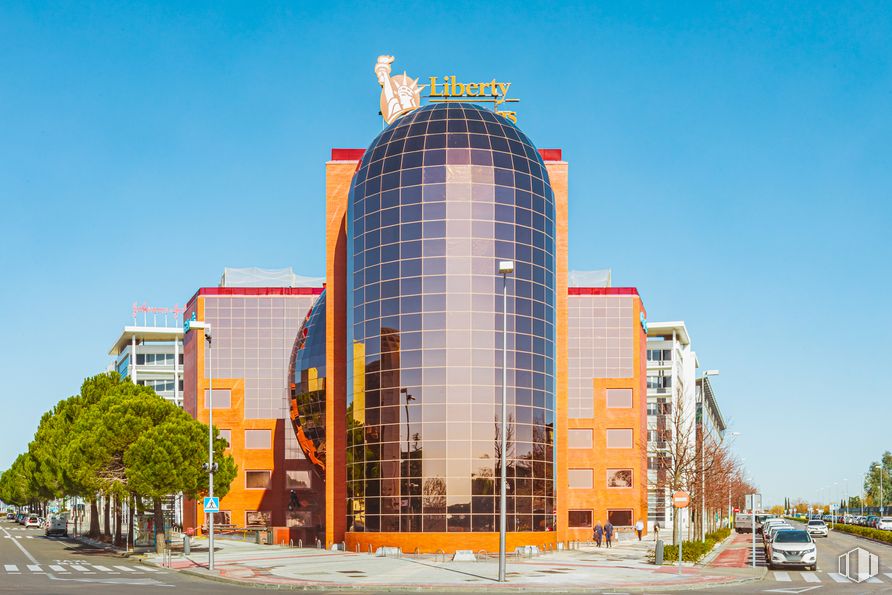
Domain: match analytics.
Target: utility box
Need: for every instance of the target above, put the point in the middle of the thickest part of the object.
(658, 553)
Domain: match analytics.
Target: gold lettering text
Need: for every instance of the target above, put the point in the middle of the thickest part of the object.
(503, 87)
(434, 92)
(471, 89)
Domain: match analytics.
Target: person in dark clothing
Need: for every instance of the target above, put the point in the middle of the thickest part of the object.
(608, 533)
(599, 533)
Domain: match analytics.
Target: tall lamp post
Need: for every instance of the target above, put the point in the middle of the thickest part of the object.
(703, 381)
(733, 435)
(506, 267)
(206, 326)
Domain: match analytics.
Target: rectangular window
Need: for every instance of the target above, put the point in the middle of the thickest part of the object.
(140, 359)
(258, 518)
(619, 438)
(620, 518)
(227, 436)
(579, 438)
(579, 518)
(258, 480)
(258, 439)
(297, 479)
(224, 517)
(619, 398)
(580, 478)
(619, 478)
(222, 398)
(299, 518)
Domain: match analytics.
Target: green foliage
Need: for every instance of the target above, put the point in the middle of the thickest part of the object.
(869, 532)
(119, 439)
(693, 551)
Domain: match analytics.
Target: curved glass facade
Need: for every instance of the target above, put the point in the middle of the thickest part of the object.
(440, 197)
(307, 374)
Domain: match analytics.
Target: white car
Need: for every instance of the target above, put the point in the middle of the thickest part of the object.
(885, 523)
(792, 547)
(817, 527)
(32, 521)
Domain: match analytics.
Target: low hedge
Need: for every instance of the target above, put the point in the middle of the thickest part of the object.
(869, 532)
(693, 551)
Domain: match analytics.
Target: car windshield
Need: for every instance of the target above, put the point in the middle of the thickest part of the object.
(792, 536)
(818, 523)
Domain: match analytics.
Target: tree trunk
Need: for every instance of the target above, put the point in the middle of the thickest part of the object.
(94, 518)
(119, 514)
(159, 526)
(130, 522)
(106, 517)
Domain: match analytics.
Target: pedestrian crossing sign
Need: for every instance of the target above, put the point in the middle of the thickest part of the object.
(212, 505)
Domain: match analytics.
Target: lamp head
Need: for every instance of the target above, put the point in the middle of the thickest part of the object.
(506, 267)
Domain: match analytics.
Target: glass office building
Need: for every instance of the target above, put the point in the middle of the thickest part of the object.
(439, 198)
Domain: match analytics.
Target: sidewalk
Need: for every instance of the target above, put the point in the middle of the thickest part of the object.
(623, 567)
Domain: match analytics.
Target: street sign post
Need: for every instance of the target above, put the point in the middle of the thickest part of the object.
(680, 500)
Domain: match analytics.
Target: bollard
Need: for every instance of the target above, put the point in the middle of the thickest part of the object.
(357, 547)
(300, 542)
(187, 545)
(290, 543)
(658, 553)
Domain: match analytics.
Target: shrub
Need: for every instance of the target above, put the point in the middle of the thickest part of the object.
(691, 551)
(719, 534)
(869, 532)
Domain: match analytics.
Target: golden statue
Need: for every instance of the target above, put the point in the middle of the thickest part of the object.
(399, 94)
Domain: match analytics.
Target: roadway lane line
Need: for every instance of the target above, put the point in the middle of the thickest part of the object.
(149, 569)
(10, 568)
(782, 577)
(839, 578)
(810, 577)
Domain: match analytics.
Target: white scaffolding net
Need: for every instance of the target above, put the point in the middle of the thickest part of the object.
(256, 277)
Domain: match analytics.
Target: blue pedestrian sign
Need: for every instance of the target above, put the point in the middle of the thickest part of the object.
(212, 505)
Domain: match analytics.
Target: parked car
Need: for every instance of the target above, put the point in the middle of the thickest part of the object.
(872, 521)
(817, 528)
(20, 518)
(32, 521)
(885, 523)
(792, 547)
(771, 531)
(10, 516)
(57, 525)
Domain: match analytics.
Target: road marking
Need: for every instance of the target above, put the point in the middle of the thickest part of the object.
(18, 536)
(125, 568)
(57, 568)
(10, 568)
(29, 537)
(782, 576)
(888, 574)
(872, 579)
(811, 577)
(839, 578)
(35, 568)
(793, 590)
(150, 569)
(80, 568)
(102, 568)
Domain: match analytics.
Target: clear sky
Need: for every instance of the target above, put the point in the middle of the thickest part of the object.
(732, 162)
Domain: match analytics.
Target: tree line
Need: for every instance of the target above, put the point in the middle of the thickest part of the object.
(117, 441)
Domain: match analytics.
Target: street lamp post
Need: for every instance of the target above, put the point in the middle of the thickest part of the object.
(506, 267)
(206, 327)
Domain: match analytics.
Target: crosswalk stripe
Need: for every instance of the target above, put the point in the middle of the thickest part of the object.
(810, 577)
(80, 568)
(57, 568)
(35, 568)
(10, 568)
(873, 579)
(149, 569)
(125, 568)
(782, 576)
(838, 577)
(102, 568)
(888, 574)
(29, 537)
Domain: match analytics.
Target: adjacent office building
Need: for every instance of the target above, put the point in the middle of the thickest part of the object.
(152, 356)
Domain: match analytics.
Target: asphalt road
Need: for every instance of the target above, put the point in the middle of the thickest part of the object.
(830, 577)
(30, 562)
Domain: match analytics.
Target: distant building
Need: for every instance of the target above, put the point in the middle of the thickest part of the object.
(152, 356)
(671, 381)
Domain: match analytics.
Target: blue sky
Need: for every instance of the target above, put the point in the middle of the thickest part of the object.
(732, 162)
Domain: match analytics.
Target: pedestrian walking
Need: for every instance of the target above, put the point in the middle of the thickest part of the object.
(656, 531)
(599, 533)
(608, 533)
(639, 527)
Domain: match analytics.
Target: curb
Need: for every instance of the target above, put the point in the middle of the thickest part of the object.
(451, 588)
(102, 545)
(713, 554)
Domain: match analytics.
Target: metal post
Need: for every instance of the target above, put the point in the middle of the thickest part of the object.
(503, 482)
(210, 446)
(678, 523)
(753, 525)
